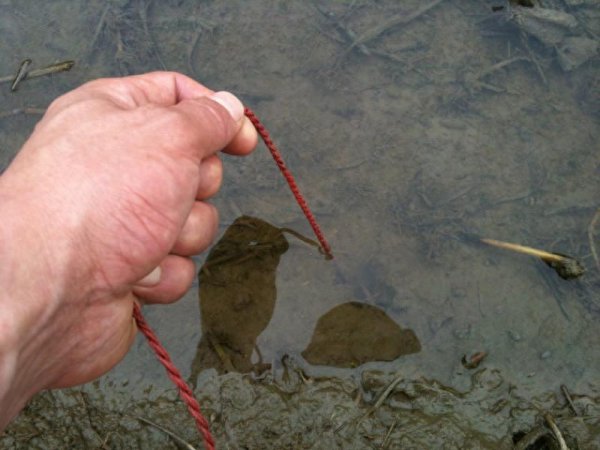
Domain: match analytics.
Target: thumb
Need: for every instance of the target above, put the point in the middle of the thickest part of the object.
(230, 102)
(216, 119)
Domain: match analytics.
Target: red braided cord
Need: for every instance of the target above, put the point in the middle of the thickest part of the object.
(184, 390)
(264, 134)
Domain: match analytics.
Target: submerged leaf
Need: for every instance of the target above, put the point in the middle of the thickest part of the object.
(237, 294)
(355, 333)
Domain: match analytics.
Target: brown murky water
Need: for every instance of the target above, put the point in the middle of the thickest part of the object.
(408, 130)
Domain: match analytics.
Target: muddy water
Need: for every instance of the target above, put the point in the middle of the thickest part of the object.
(405, 154)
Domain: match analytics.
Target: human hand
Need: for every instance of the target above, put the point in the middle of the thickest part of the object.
(104, 206)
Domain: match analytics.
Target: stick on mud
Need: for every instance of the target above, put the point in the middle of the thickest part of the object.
(566, 267)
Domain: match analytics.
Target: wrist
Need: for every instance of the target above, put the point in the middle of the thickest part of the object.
(31, 290)
(16, 316)
(13, 324)
(11, 399)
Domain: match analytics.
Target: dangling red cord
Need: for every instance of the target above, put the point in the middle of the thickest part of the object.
(173, 373)
(264, 134)
(184, 390)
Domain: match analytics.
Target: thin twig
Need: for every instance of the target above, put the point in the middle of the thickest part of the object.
(203, 26)
(99, 27)
(565, 266)
(172, 435)
(21, 74)
(523, 249)
(221, 353)
(554, 289)
(500, 65)
(476, 80)
(63, 66)
(16, 111)
(567, 395)
(192, 50)
(144, 17)
(534, 59)
(590, 231)
(301, 237)
(347, 34)
(555, 431)
(105, 442)
(386, 439)
(529, 440)
(384, 395)
(53, 68)
(401, 19)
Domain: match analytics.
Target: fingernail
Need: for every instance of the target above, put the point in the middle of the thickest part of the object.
(231, 103)
(151, 279)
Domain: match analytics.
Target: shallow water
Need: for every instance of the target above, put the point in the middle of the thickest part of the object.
(402, 158)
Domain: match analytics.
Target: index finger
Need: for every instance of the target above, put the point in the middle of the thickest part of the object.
(158, 88)
(170, 90)
(162, 88)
